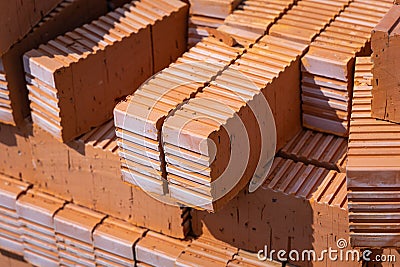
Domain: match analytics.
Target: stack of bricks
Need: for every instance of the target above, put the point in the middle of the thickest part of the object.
(138, 119)
(328, 66)
(100, 59)
(142, 162)
(74, 226)
(372, 169)
(35, 211)
(10, 231)
(69, 14)
(182, 155)
(202, 121)
(178, 131)
(386, 85)
(186, 131)
(207, 14)
(162, 100)
(74, 235)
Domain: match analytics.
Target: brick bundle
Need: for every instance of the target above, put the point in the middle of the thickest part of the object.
(69, 14)
(139, 119)
(372, 169)
(51, 228)
(191, 171)
(75, 80)
(328, 66)
(189, 134)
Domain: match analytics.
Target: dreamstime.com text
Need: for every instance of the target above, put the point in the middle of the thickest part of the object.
(341, 253)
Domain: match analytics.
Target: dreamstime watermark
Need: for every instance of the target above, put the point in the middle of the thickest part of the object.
(340, 253)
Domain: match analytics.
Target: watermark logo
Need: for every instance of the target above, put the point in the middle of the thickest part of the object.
(234, 103)
(341, 253)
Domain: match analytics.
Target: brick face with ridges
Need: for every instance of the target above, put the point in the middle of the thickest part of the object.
(323, 150)
(58, 72)
(328, 66)
(372, 169)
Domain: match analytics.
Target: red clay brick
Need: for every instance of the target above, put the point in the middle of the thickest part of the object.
(328, 66)
(385, 41)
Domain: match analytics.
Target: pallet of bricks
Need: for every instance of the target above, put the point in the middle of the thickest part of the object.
(114, 137)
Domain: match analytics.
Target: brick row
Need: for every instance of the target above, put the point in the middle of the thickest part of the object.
(322, 150)
(298, 207)
(328, 66)
(69, 14)
(384, 41)
(307, 19)
(372, 169)
(54, 232)
(88, 170)
(70, 87)
(253, 18)
(198, 138)
(19, 18)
